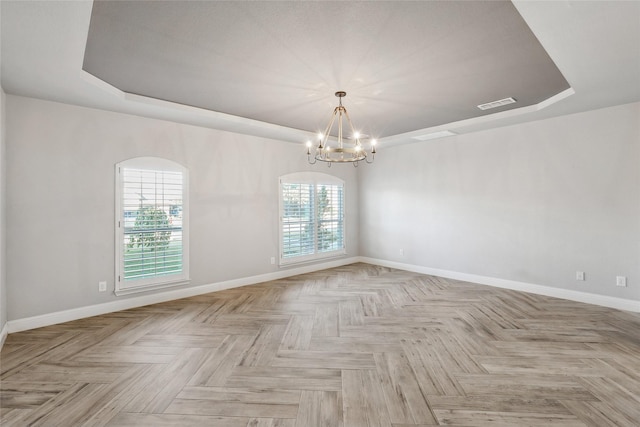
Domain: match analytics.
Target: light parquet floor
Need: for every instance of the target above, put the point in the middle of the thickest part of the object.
(359, 345)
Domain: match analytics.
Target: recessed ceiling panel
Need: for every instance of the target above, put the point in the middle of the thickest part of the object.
(404, 65)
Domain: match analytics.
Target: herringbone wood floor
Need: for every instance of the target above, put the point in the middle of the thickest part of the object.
(353, 346)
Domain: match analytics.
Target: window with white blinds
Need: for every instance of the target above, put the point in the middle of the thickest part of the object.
(151, 224)
(311, 217)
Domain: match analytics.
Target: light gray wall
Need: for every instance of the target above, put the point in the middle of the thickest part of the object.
(60, 200)
(532, 203)
(3, 193)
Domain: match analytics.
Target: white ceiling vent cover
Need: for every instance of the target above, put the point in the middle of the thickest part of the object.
(498, 103)
(434, 135)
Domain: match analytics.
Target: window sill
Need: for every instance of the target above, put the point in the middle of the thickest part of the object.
(152, 287)
(308, 260)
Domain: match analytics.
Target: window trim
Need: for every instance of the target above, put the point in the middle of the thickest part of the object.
(156, 282)
(317, 179)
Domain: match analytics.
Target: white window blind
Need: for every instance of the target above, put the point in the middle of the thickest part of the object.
(311, 217)
(151, 237)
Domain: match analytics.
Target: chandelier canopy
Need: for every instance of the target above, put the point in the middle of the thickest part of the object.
(336, 149)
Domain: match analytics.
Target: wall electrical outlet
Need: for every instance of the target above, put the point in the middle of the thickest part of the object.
(579, 275)
(621, 281)
(102, 286)
(401, 252)
(273, 260)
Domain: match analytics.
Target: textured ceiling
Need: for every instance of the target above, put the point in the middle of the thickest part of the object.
(405, 66)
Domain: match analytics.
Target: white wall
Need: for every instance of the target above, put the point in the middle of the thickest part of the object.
(60, 200)
(530, 203)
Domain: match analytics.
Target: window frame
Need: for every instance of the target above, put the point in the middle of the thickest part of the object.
(125, 287)
(317, 179)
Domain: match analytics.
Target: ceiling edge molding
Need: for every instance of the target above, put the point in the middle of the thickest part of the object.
(167, 110)
(459, 126)
(226, 122)
(101, 84)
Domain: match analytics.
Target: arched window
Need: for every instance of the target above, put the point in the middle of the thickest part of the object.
(311, 217)
(152, 225)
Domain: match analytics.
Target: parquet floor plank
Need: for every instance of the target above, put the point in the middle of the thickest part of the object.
(298, 333)
(271, 422)
(364, 401)
(320, 408)
(126, 419)
(404, 399)
(533, 386)
(354, 346)
(470, 418)
(264, 348)
(323, 359)
(313, 379)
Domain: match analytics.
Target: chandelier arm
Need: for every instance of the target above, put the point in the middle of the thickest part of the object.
(327, 131)
(340, 128)
(353, 132)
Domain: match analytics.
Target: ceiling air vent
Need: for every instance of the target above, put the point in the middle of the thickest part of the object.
(434, 135)
(498, 103)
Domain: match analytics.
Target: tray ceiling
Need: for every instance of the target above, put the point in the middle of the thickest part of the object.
(405, 66)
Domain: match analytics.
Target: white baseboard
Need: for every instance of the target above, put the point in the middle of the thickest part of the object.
(602, 300)
(3, 334)
(110, 307)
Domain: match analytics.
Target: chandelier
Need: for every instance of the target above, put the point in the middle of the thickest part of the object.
(337, 150)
